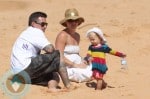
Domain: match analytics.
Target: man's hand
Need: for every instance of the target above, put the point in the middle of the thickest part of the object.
(49, 48)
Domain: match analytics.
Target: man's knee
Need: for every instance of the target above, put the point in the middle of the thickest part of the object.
(56, 53)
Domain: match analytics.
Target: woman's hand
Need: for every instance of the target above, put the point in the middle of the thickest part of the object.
(82, 65)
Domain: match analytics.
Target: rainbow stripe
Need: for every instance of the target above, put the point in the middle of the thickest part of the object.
(98, 54)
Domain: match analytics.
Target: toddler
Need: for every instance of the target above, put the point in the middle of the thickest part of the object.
(96, 55)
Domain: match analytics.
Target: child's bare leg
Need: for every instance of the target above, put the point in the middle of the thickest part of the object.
(99, 84)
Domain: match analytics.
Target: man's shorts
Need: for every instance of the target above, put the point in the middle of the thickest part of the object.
(43, 68)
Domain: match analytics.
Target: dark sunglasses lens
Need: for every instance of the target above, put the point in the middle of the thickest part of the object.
(70, 20)
(73, 20)
(44, 24)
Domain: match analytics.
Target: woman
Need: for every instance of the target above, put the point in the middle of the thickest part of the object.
(67, 42)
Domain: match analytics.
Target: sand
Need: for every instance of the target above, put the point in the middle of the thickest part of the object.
(126, 24)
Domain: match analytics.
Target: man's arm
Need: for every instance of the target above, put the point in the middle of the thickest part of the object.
(49, 48)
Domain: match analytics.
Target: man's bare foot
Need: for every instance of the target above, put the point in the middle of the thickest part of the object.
(55, 90)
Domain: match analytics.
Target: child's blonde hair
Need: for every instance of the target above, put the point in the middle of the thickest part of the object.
(98, 32)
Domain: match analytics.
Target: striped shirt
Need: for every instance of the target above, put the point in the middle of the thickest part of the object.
(98, 54)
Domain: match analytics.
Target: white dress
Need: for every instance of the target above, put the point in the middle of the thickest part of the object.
(71, 52)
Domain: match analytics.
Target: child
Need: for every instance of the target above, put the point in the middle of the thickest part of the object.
(96, 55)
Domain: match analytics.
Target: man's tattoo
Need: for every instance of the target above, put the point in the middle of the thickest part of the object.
(49, 48)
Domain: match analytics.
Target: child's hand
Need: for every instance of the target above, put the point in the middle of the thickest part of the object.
(90, 59)
(123, 55)
(85, 62)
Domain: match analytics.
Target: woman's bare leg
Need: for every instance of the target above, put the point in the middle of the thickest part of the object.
(64, 76)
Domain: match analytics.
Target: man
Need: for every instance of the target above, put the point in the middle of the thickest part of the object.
(26, 55)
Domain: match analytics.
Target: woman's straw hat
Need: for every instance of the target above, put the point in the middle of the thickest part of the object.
(73, 15)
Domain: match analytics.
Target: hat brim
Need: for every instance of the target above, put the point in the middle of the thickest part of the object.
(63, 22)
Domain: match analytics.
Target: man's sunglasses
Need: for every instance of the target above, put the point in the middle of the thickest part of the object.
(42, 23)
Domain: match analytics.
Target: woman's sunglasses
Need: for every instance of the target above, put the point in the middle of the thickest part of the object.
(70, 20)
(41, 23)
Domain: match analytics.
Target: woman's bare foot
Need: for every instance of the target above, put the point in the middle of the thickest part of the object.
(72, 87)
